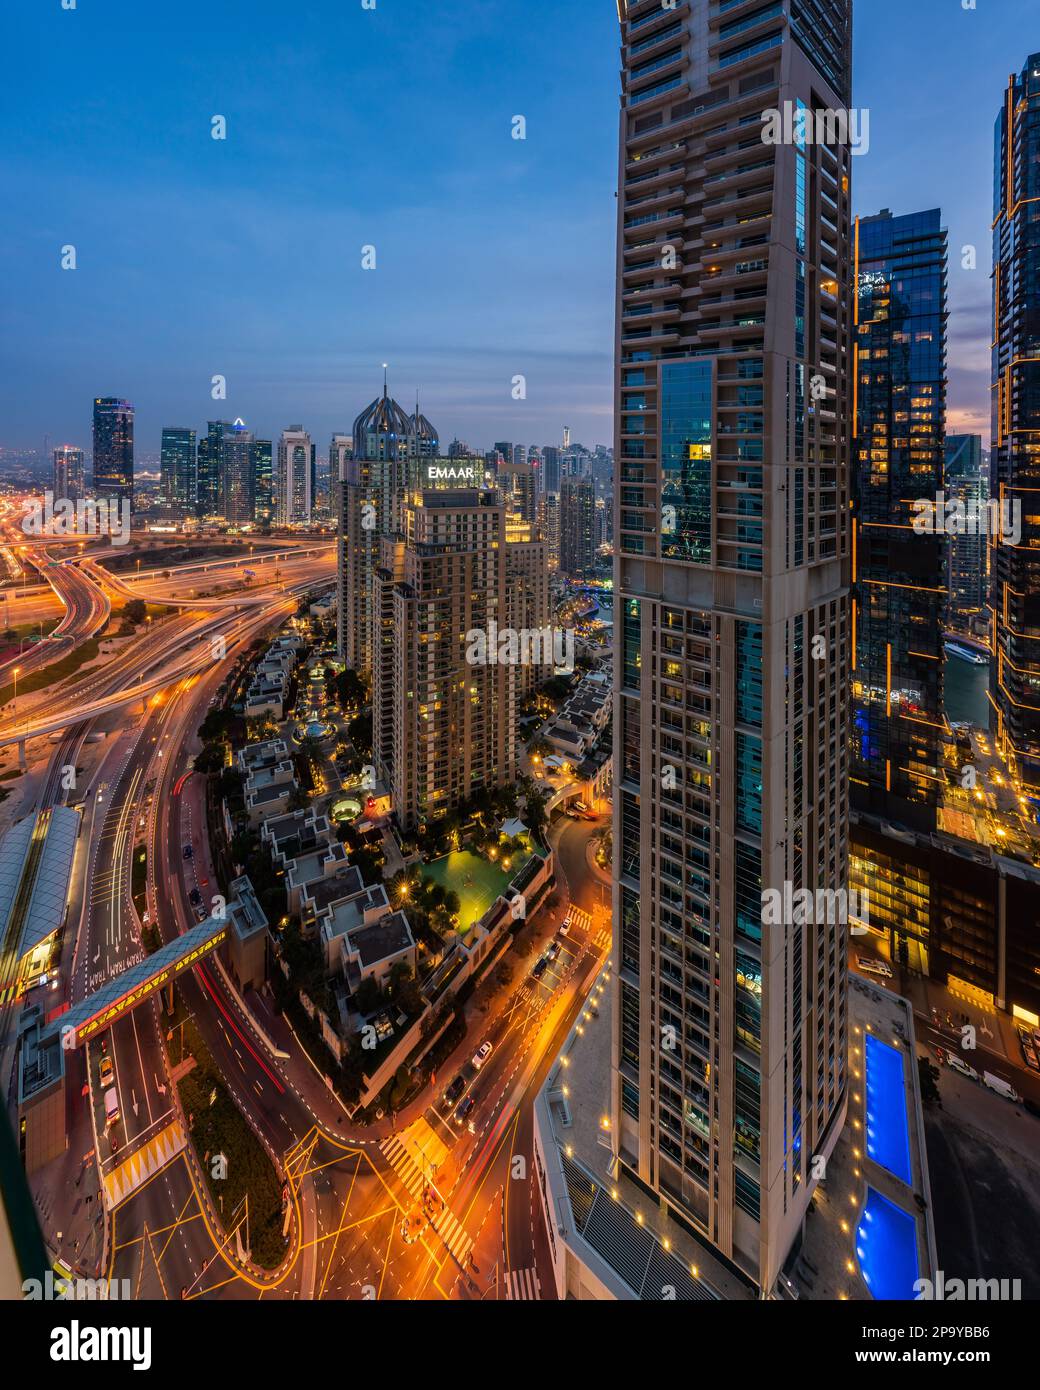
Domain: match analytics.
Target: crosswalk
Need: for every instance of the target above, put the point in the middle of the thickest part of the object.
(411, 1153)
(579, 918)
(133, 1172)
(522, 1284)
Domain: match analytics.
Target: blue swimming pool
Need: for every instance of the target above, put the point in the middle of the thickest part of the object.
(888, 1130)
(886, 1246)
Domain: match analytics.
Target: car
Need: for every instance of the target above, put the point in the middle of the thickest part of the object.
(105, 1072)
(201, 914)
(955, 1062)
(1029, 1054)
(455, 1090)
(565, 928)
(111, 1108)
(195, 896)
(540, 967)
(464, 1111)
(188, 851)
(869, 966)
(553, 950)
(481, 1055)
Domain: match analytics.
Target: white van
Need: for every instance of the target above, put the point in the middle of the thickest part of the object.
(111, 1107)
(952, 1060)
(1002, 1087)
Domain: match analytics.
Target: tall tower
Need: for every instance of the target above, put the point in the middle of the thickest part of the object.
(369, 507)
(294, 478)
(577, 526)
(177, 469)
(967, 482)
(1015, 456)
(899, 589)
(68, 473)
(113, 448)
(443, 718)
(731, 569)
(237, 474)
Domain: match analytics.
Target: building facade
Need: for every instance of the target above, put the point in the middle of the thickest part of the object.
(443, 711)
(1015, 433)
(113, 449)
(294, 478)
(731, 571)
(899, 593)
(967, 578)
(68, 476)
(177, 470)
(578, 533)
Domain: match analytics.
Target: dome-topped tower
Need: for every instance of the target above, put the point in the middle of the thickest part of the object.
(424, 441)
(382, 429)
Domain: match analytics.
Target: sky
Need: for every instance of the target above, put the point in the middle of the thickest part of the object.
(392, 128)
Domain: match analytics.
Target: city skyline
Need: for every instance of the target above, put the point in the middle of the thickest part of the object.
(534, 212)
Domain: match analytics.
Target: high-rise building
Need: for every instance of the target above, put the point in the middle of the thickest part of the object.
(550, 469)
(236, 474)
(518, 484)
(549, 521)
(113, 448)
(209, 461)
(577, 526)
(423, 441)
(68, 473)
(528, 608)
(731, 568)
(368, 508)
(294, 478)
(504, 448)
(443, 723)
(519, 455)
(899, 584)
(1015, 451)
(967, 487)
(177, 467)
(263, 482)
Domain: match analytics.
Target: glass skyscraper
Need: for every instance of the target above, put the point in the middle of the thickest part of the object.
(177, 468)
(1015, 455)
(732, 561)
(113, 448)
(899, 580)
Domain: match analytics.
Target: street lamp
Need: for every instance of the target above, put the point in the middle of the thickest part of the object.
(14, 673)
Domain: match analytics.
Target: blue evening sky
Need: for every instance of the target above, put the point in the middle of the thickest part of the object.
(391, 127)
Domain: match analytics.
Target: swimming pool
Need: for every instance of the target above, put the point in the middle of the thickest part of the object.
(886, 1247)
(888, 1129)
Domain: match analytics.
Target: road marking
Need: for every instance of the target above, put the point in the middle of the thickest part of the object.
(399, 1156)
(143, 1164)
(522, 1283)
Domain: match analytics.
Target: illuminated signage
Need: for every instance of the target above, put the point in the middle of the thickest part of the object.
(133, 997)
(465, 473)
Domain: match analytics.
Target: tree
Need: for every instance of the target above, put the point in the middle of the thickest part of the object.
(368, 996)
(134, 611)
(351, 690)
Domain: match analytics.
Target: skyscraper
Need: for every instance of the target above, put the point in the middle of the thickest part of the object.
(113, 448)
(368, 508)
(443, 724)
(577, 526)
(731, 610)
(294, 478)
(1015, 455)
(208, 467)
(518, 485)
(550, 469)
(68, 473)
(967, 483)
(263, 482)
(177, 470)
(899, 594)
(236, 474)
